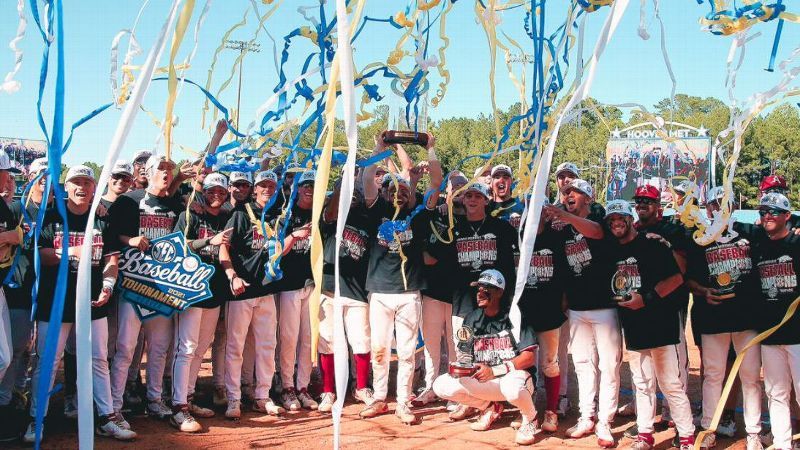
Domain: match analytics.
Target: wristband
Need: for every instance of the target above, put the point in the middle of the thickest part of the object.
(502, 369)
(109, 283)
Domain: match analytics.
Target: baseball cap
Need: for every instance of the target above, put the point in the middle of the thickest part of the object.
(682, 187)
(647, 191)
(773, 182)
(619, 207)
(266, 175)
(501, 168)
(478, 187)
(567, 167)
(38, 165)
(491, 277)
(579, 185)
(715, 194)
(155, 160)
(142, 156)
(775, 200)
(79, 171)
(5, 162)
(240, 176)
(307, 177)
(387, 179)
(215, 179)
(122, 167)
(479, 172)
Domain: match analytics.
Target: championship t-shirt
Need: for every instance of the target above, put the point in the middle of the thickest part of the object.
(731, 264)
(778, 263)
(247, 252)
(386, 268)
(644, 263)
(439, 276)
(493, 342)
(18, 296)
(140, 213)
(353, 254)
(206, 226)
(104, 243)
(678, 239)
(296, 265)
(540, 303)
(479, 246)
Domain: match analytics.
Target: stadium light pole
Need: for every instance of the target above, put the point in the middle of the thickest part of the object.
(242, 46)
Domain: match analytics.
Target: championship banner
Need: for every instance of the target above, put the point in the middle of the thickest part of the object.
(638, 155)
(165, 278)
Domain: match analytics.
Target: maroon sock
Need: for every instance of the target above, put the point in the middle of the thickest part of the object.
(327, 369)
(362, 369)
(551, 386)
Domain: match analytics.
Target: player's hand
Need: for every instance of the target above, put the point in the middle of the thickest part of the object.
(302, 232)
(238, 286)
(658, 237)
(431, 141)
(187, 171)
(221, 128)
(554, 213)
(103, 298)
(140, 242)
(102, 211)
(796, 231)
(380, 142)
(636, 302)
(197, 208)
(484, 373)
(222, 238)
(711, 296)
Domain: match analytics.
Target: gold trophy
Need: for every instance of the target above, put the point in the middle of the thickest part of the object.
(464, 365)
(725, 283)
(622, 286)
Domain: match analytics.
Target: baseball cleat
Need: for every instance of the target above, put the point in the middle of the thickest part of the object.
(112, 429)
(158, 410)
(119, 419)
(582, 428)
(426, 397)
(604, 437)
(198, 411)
(326, 402)
(183, 421)
(267, 406)
(643, 441)
(487, 417)
(754, 442)
(234, 410)
(364, 395)
(289, 400)
(727, 425)
(220, 396)
(462, 412)
(526, 434)
(627, 410)
(377, 408)
(403, 412)
(564, 406)
(306, 401)
(550, 422)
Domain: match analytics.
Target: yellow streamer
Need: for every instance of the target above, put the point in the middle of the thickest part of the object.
(219, 50)
(172, 82)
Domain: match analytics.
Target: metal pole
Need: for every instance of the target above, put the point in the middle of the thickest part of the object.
(239, 94)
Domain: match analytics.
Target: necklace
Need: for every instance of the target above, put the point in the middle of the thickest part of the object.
(476, 230)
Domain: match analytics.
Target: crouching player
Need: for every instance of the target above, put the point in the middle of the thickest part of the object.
(503, 368)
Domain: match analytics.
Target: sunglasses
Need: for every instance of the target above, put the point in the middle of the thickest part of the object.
(645, 201)
(774, 212)
(121, 177)
(241, 185)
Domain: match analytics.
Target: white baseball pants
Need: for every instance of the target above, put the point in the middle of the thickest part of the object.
(295, 342)
(194, 330)
(356, 324)
(398, 316)
(515, 387)
(240, 316)
(715, 358)
(218, 352)
(563, 357)
(683, 360)
(20, 343)
(6, 345)
(158, 333)
(659, 364)
(781, 375)
(436, 319)
(596, 347)
(101, 383)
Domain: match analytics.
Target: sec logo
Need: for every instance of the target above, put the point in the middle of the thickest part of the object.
(163, 252)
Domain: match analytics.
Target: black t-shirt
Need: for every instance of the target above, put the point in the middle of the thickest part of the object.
(679, 240)
(439, 276)
(494, 342)
(24, 274)
(385, 274)
(540, 303)
(247, 252)
(509, 210)
(104, 243)
(588, 269)
(296, 265)
(140, 213)
(479, 246)
(647, 262)
(206, 226)
(778, 263)
(353, 254)
(734, 258)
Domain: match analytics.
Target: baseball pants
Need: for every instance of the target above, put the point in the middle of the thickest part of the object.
(596, 348)
(398, 316)
(249, 359)
(715, 358)
(113, 324)
(20, 343)
(101, 383)
(240, 316)
(295, 342)
(781, 375)
(436, 319)
(6, 345)
(158, 333)
(515, 387)
(218, 352)
(660, 364)
(563, 358)
(194, 330)
(548, 352)
(356, 324)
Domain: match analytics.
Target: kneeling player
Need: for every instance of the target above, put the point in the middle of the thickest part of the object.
(502, 365)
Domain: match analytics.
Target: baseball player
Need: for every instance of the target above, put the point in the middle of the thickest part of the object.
(777, 184)
(80, 187)
(595, 340)
(240, 189)
(502, 364)
(139, 173)
(394, 280)
(137, 217)
(645, 275)
(778, 263)
(253, 304)
(502, 205)
(294, 290)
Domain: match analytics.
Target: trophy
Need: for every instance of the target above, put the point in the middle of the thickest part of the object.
(408, 122)
(464, 365)
(725, 283)
(622, 286)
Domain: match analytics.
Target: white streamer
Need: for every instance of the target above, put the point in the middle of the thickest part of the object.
(83, 317)
(10, 85)
(133, 51)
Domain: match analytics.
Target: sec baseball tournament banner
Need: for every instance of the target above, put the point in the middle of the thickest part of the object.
(165, 278)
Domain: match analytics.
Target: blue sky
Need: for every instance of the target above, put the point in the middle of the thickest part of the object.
(631, 71)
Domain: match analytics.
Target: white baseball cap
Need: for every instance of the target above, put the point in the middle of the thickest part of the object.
(266, 175)
(142, 156)
(683, 186)
(5, 162)
(240, 176)
(568, 167)
(491, 277)
(155, 160)
(579, 185)
(38, 165)
(79, 171)
(621, 207)
(307, 177)
(502, 168)
(775, 200)
(215, 179)
(387, 180)
(478, 187)
(122, 167)
(479, 171)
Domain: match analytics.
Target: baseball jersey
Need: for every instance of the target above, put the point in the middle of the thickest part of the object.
(778, 263)
(540, 303)
(24, 276)
(206, 226)
(439, 276)
(104, 243)
(353, 254)
(646, 262)
(247, 252)
(494, 342)
(139, 213)
(296, 265)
